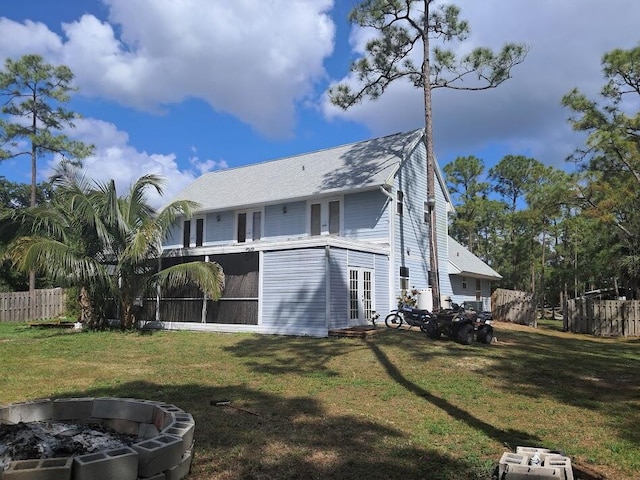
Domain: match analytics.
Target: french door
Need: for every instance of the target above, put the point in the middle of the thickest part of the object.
(360, 295)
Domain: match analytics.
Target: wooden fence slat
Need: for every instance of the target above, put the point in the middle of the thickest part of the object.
(604, 317)
(47, 303)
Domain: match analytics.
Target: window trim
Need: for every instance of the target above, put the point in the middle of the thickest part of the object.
(325, 216)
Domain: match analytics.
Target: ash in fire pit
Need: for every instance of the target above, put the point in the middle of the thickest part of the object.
(25, 441)
(95, 438)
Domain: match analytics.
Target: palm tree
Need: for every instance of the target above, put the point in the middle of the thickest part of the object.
(105, 245)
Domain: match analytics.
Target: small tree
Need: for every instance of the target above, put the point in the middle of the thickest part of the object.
(107, 245)
(405, 25)
(33, 97)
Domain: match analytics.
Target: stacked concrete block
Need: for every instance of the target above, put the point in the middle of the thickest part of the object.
(120, 463)
(533, 463)
(524, 472)
(183, 426)
(36, 411)
(182, 469)
(44, 469)
(72, 409)
(163, 451)
(159, 454)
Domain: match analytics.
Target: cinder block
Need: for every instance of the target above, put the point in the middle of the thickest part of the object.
(183, 426)
(120, 425)
(43, 469)
(127, 409)
(522, 472)
(181, 470)
(158, 454)
(159, 476)
(147, 431)
(35, 411)
(531, 451)
(164, 414)
(558, 461)
(509, 458)
(72, 408)
(120, 463)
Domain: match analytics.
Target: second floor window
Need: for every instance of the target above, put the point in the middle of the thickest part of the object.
(325, 218)
(399, 202)
(249, 226)
(199, 231)
(186, 234)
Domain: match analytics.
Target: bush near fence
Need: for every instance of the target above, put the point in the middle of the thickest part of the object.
(604, 317)
(18, 306)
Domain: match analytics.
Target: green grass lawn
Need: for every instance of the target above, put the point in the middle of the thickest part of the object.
(394, 405)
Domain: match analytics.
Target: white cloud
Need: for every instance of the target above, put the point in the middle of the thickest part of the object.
(18, 39)
(567, 40)
(115, 159)
(253, 59)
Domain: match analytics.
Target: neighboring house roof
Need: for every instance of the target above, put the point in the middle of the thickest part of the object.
(357, 166)
(463, 262)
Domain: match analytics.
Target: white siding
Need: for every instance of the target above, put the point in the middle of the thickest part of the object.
(339, 300)
(411, 236)
(381, 286)
(219, 228)
(364, 216)
(285, 220)
(294, 292)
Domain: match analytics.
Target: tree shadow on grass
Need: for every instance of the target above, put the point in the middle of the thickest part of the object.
(596, 374)
(510, 438)
(261, 435)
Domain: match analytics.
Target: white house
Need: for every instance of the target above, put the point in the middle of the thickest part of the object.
(317, 241)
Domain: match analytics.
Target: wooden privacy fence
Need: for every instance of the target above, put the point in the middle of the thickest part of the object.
(17, 306)
(513, 306)
(604, 317)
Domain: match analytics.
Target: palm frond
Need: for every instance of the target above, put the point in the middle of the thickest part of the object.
(208, 276)
(61, 262)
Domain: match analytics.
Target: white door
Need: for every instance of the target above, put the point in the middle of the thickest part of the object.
(360, 295)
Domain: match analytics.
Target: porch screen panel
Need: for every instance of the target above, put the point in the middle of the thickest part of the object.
(239, 302)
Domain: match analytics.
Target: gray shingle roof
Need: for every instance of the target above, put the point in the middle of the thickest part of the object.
(342, 169)
(462, 261)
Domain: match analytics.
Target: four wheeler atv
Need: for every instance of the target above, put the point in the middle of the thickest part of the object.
(460, 324)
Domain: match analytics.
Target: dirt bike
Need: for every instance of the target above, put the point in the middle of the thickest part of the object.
(413, 317)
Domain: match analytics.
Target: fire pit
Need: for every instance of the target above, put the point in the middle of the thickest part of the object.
(130, 439)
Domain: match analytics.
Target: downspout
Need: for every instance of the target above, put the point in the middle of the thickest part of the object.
(391, 282)
(327, 282)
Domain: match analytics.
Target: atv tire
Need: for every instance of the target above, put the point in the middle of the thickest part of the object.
(431, 329)
(486, 335)
(466, 334)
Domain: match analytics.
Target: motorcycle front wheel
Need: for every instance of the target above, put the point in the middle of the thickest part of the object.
(393, 320)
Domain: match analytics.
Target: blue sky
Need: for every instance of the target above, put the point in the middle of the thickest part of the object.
(183, 87)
